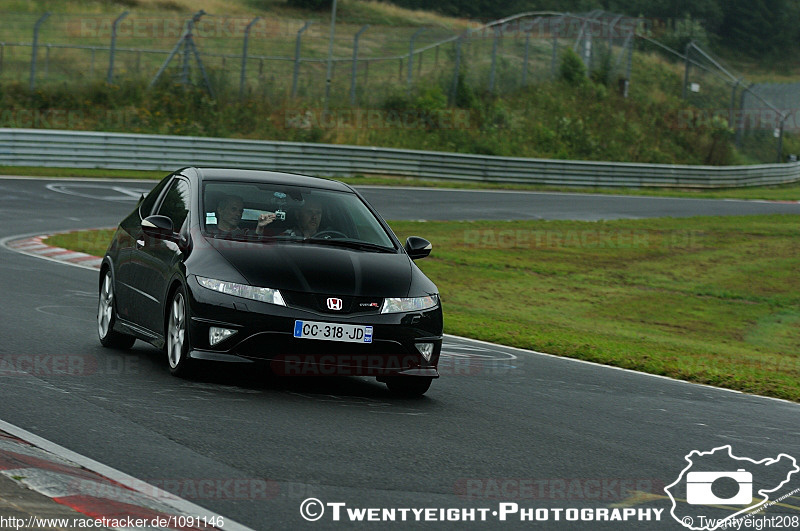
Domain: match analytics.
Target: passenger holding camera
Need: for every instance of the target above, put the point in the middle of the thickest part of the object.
(229, 215)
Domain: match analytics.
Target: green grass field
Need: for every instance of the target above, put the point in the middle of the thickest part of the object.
(708, 300)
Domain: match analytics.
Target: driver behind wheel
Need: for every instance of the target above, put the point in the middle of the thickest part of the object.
(308, 220)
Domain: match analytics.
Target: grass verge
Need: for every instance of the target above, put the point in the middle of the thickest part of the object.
(786, 192)
(708, 300)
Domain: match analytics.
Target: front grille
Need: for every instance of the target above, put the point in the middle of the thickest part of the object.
(318, 303)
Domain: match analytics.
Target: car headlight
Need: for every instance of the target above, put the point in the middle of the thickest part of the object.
(409, 304)
(245, 291)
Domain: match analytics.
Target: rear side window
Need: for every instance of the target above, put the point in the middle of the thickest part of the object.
(146, 208)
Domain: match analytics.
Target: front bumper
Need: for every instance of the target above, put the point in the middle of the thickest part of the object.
(264, 333)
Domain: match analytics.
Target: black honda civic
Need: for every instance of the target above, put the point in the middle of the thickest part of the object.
(254, 266)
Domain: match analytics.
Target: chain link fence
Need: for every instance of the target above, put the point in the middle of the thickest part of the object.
(285, 62)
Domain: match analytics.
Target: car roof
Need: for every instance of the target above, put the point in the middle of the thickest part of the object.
(225, 174)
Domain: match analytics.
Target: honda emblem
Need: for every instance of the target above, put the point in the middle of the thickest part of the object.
(335, 304)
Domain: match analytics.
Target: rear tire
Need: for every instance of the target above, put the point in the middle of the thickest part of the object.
(107, 316)
(409, 386)
(177, 344)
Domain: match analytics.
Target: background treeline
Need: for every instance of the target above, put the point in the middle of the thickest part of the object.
(753, 27)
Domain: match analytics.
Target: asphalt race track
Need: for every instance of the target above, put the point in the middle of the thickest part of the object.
(497, 421)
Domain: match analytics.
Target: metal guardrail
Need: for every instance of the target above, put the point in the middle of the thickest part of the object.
(72, 149)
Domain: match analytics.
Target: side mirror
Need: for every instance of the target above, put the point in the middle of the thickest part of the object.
(417, 247)
(159, 227)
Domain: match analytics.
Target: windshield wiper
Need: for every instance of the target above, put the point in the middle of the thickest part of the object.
(352, 244)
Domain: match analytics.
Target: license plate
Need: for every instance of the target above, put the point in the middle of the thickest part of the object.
(333, 332)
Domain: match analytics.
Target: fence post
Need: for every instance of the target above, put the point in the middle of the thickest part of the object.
(686, 70)
(587, 50)
(784, 116)
(110, 76)
(733, 102)
(611, 35)
(185, 71)
(493, 70)
(525, 61)
(629, 66)
(456, 70)
(329, 74)
(36, 26)
(91, 70)
(742, 106)
(355, 64)
(47, 60)
(297, 58)
(244, 56)
(411, 57)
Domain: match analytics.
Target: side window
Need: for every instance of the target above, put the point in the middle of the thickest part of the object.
(146, 207)
(176, 203)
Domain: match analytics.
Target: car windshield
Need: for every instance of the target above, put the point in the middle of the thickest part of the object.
(289, 213)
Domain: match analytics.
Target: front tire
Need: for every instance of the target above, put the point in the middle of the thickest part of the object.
(409, 386)
(177, 335)
(106, 317)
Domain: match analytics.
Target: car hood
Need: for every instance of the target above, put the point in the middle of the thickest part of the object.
(318, 268)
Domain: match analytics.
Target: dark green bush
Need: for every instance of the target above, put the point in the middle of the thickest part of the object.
(572, 70)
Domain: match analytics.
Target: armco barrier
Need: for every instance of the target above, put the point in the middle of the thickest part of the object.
(73, 149)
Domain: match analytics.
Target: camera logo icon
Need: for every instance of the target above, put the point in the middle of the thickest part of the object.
(699, 488)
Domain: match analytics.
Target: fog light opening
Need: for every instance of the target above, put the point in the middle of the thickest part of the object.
(426, 349)
(217, 334)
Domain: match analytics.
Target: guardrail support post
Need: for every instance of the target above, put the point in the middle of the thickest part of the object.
(114, 26)
(244, 56)
(32, 84)
(297, 58)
